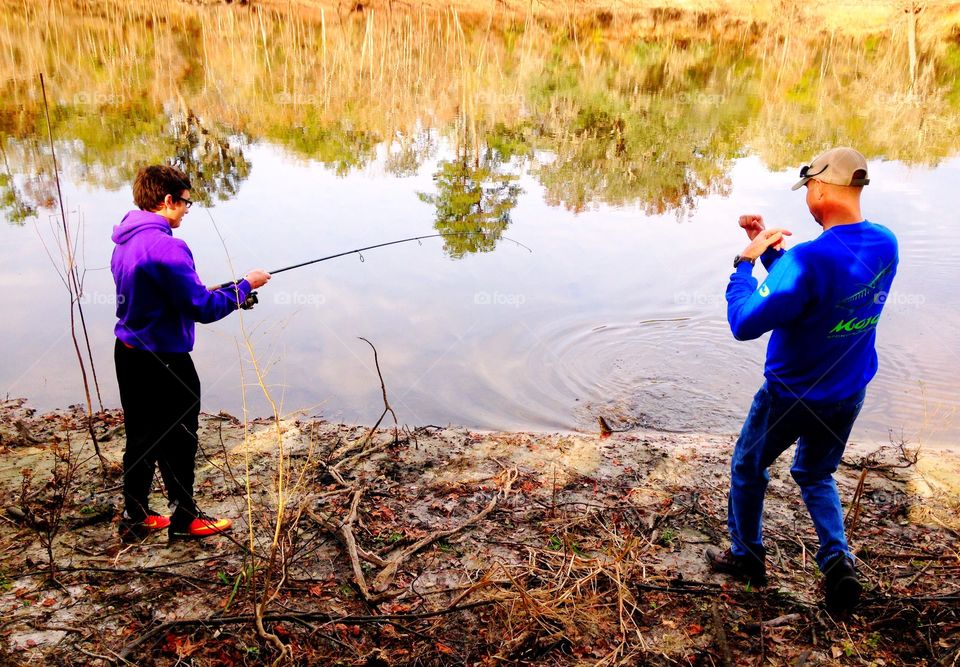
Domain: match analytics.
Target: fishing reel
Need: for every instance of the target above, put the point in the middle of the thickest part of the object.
(246, 304)
(250, 301)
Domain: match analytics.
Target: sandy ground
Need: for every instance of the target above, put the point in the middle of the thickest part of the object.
(555, 549)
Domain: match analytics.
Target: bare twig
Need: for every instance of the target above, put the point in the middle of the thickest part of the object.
(74, 290)
(386, 403)
(853, 514)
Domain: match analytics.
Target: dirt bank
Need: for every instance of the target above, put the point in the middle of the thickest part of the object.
(437, 546)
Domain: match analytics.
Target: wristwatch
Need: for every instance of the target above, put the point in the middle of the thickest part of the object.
(738, 260)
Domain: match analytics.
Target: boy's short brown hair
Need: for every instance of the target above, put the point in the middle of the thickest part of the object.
(154, 183)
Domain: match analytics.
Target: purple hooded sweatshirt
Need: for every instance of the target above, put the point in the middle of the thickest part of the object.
(159, 295)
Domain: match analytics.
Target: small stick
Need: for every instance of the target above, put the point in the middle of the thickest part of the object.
(351, 541)
(386, 403)
(721, 636)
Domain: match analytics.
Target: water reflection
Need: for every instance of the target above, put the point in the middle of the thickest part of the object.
(589, 138)
(214, 164)
(16, 207)
(106, 147)
(336, 145)
(473, 199)
(601, 112)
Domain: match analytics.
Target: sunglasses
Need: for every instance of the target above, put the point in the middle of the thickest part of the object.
(805, 171)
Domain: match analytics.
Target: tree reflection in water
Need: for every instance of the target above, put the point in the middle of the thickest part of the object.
(14, 204)
(105, 147)
(474, 197)
(649, 110)
(215, 165)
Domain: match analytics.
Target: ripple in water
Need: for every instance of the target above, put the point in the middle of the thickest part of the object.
(637, 374)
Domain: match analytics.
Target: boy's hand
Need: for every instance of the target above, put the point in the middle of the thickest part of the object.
(764, 240)
(257, 278)
(752, 225)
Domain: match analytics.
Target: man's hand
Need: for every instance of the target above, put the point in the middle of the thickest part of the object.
(257, 278)
(752, 225)
(762, 240)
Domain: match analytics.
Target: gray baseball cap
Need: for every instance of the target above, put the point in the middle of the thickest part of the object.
(839, 166)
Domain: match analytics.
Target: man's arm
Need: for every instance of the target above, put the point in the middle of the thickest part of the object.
(782, 297)
(770, 257)
(753, 225)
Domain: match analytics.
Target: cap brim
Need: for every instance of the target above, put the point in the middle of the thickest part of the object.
(801, 183)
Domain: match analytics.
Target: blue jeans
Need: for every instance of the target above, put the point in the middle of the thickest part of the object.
(775, 423)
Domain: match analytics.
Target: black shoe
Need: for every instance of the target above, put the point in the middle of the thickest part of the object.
(841, 586)
(752, 568)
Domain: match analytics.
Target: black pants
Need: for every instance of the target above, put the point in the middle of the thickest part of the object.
(160, 395)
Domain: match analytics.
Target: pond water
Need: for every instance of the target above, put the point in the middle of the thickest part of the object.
(621, 160)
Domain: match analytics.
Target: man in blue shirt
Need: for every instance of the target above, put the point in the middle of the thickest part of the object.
(822, 301)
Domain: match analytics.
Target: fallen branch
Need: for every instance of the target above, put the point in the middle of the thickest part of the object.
(386, 577)
(720, 635)
(853, 514)
(327, 619)
(346, 530)
(777, 622)
(362, 553)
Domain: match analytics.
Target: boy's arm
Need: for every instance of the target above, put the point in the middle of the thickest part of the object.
(179, 278)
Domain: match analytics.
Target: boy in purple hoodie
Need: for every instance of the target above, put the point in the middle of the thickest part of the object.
(159, 300)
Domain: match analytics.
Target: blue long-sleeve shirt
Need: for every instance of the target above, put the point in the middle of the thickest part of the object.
(159, 295)
(822, 301)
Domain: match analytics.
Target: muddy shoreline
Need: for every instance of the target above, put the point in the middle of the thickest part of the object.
(446, 546)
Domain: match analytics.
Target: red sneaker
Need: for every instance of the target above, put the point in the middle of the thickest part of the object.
(202, 526)
(136, 531)
(156, 522)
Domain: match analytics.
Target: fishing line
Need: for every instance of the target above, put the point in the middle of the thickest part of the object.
(252, 299)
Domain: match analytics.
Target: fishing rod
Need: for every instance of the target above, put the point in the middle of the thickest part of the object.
(252, 299)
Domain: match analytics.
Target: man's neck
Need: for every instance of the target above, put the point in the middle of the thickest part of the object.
(842, 218)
